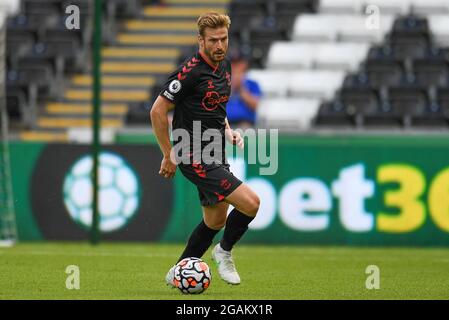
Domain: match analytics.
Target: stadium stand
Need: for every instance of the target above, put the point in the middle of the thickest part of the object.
(393, 75)
(49, 69)
(316, 61)
(402, 81)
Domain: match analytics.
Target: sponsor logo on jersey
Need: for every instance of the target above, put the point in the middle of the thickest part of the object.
(225, 184)
(212, 100)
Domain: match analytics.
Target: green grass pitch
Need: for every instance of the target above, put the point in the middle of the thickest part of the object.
(137, 271)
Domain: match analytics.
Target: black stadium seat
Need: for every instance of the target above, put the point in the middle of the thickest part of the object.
(64, 53)
(32, 75)
(359, 100)
(335, 114)
(406, 45)
(83, 5)
(16, 100)
(408, 100)
(248, 8)
(285, 7)
(431, 72)
(18, 46)
(384, 72)
(443, 99)
(431, 116)
(49, 7)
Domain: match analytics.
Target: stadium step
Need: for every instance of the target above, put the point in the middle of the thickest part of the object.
(124, 52)
(65, 123)
(115, 81)
(180, 12)
(108, 95)
(139, 25)
(137, 67)
(154, 39)
(48, 136)
(63, 108)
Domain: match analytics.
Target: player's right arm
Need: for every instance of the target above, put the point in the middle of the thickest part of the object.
(179, 84)
(159, 121)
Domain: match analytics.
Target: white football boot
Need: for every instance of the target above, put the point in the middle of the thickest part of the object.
(226, 267)
(170, 277)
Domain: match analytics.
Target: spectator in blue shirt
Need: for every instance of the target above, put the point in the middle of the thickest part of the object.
(245, 94)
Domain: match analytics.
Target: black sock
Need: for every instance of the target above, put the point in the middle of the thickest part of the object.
(199, 241)
(236, 225)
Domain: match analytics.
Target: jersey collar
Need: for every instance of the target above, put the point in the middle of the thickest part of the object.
(206, 59)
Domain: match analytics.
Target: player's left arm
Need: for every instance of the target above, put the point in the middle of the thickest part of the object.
(233, 137)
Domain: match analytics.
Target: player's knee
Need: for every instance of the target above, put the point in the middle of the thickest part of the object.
(254, 205)
(217, 223)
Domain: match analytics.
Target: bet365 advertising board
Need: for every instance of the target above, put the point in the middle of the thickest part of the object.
(358, 190)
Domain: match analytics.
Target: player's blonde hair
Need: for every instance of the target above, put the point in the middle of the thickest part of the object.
(213, 20)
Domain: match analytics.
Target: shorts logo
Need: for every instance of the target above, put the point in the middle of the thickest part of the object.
(225, 184)
(174, 86)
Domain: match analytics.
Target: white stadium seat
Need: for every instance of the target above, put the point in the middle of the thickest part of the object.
(287, 113)
(340, 56)
(361, 29)
(288, 55)
(331, 27)
(430, 6)
(272, 83)
(312, 27)
(439, 26)
(389, 7)
(315, 84)
(333, 55)
(10, 7)
(386, 6)
(340, 6)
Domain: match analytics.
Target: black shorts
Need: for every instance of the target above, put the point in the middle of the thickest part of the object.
(214, 182)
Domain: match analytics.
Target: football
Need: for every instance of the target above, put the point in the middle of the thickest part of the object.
(192, 276)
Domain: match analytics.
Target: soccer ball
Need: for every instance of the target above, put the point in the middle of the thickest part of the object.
(192, 275)
(119, 192)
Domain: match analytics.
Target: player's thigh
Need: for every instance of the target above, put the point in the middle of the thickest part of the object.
(215, 215)
(245, 200)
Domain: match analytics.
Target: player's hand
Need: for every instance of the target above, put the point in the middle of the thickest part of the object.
(168, 168)
(235, 137)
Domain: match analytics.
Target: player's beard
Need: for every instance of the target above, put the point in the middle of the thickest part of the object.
(215, 57)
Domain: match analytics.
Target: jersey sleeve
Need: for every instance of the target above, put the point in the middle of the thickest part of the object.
(179, 84)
